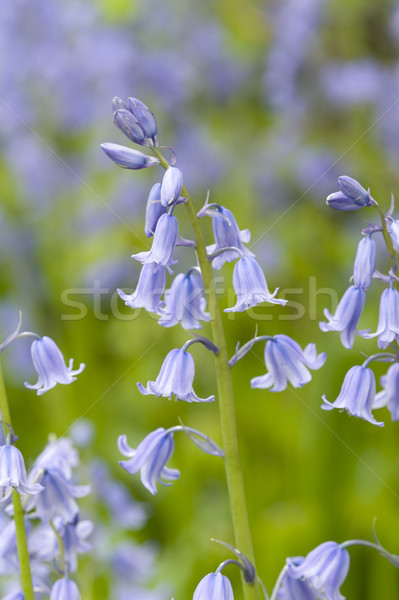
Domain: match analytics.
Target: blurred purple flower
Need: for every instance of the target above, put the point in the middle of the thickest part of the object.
(65, 589)
(389, 396)
(214, 586)
(185, 302)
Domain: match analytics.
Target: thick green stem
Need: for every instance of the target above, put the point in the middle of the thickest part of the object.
(19, 516)
(225, 397)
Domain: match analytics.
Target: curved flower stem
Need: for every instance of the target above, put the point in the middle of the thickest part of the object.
(235, 482)
(387, 237)
(391, 557)
(19, 516)
(60, 545)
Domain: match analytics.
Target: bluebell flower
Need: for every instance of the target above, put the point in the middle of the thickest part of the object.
(172, 184)
(175, 378)
(287, 362)
(214, 586)
(149, 290)
(127, 123)
(74, 536)
(353, 190)
(296, 589)
(57, 497)
(250, 286)
(145, 118)
(128, 158)
(164, 243)
(154, 210)
(324, 569)
(13, 473)
(50, 366)
(393, 229)
(339, 201)
(227, 234)
(389, 396)
(346, 316)
(59, 454)
(388, 322)
(352, 196)
(185, 302)
(150, 458)
(16, 595)
(365, 263)
(65, 589)
(357, 394)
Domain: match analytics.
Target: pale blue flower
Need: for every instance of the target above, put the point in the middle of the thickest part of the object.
(393, 229)
(389, 396)
(13, 474)
(149, 290)
(352, 196)
(296, 589)
(172, 184)
(65, 589)
(164, 242)
(214, 586)
(286, 362)
(59, 454)
(388, 322)
(357, 395)
(185, 302)
(346, 316)
(127, 123)
(339, 201)
(175, 378)
(324, 569)
(128, 158)
(50, 366)
(227, 234)
(154, 210)
(365, 263)
(145, 118)
(250, 286)
(57, 497)
(150, 458)
(353, 190)
(74, 536)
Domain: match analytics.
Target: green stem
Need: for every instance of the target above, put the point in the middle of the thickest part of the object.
(385, 233)
(235, 482)
(19, 515)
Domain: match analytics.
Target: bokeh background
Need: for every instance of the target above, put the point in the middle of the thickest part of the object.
(265, 104)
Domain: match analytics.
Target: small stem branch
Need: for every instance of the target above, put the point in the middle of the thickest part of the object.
(235, 482)
(19, 515)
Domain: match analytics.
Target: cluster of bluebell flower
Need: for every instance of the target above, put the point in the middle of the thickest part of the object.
(55, 534)
(358, 393)
(323, 571)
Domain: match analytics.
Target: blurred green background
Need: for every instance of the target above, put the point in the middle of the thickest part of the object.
(265, 105)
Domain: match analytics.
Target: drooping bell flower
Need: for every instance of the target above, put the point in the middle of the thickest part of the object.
(324, 569)
(214, 586)
(250, 286)
(150, 458)
(346, 316)
(388, 322)
(171, 187)
(149, 290)
(365, 263)
(154, 209)
(185, 302)
(65, 589)
(389, 396)
(286, 362)
(164, 243)
(175, 378)
(13, 473)
(128, 158)
(227, 234)
(50, 366)
(357, 395)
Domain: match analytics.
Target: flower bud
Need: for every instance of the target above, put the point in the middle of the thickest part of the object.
(354, 191)
(127, 158)
(172, 184)
(364, 263)
(145, 119)
(126, 122)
